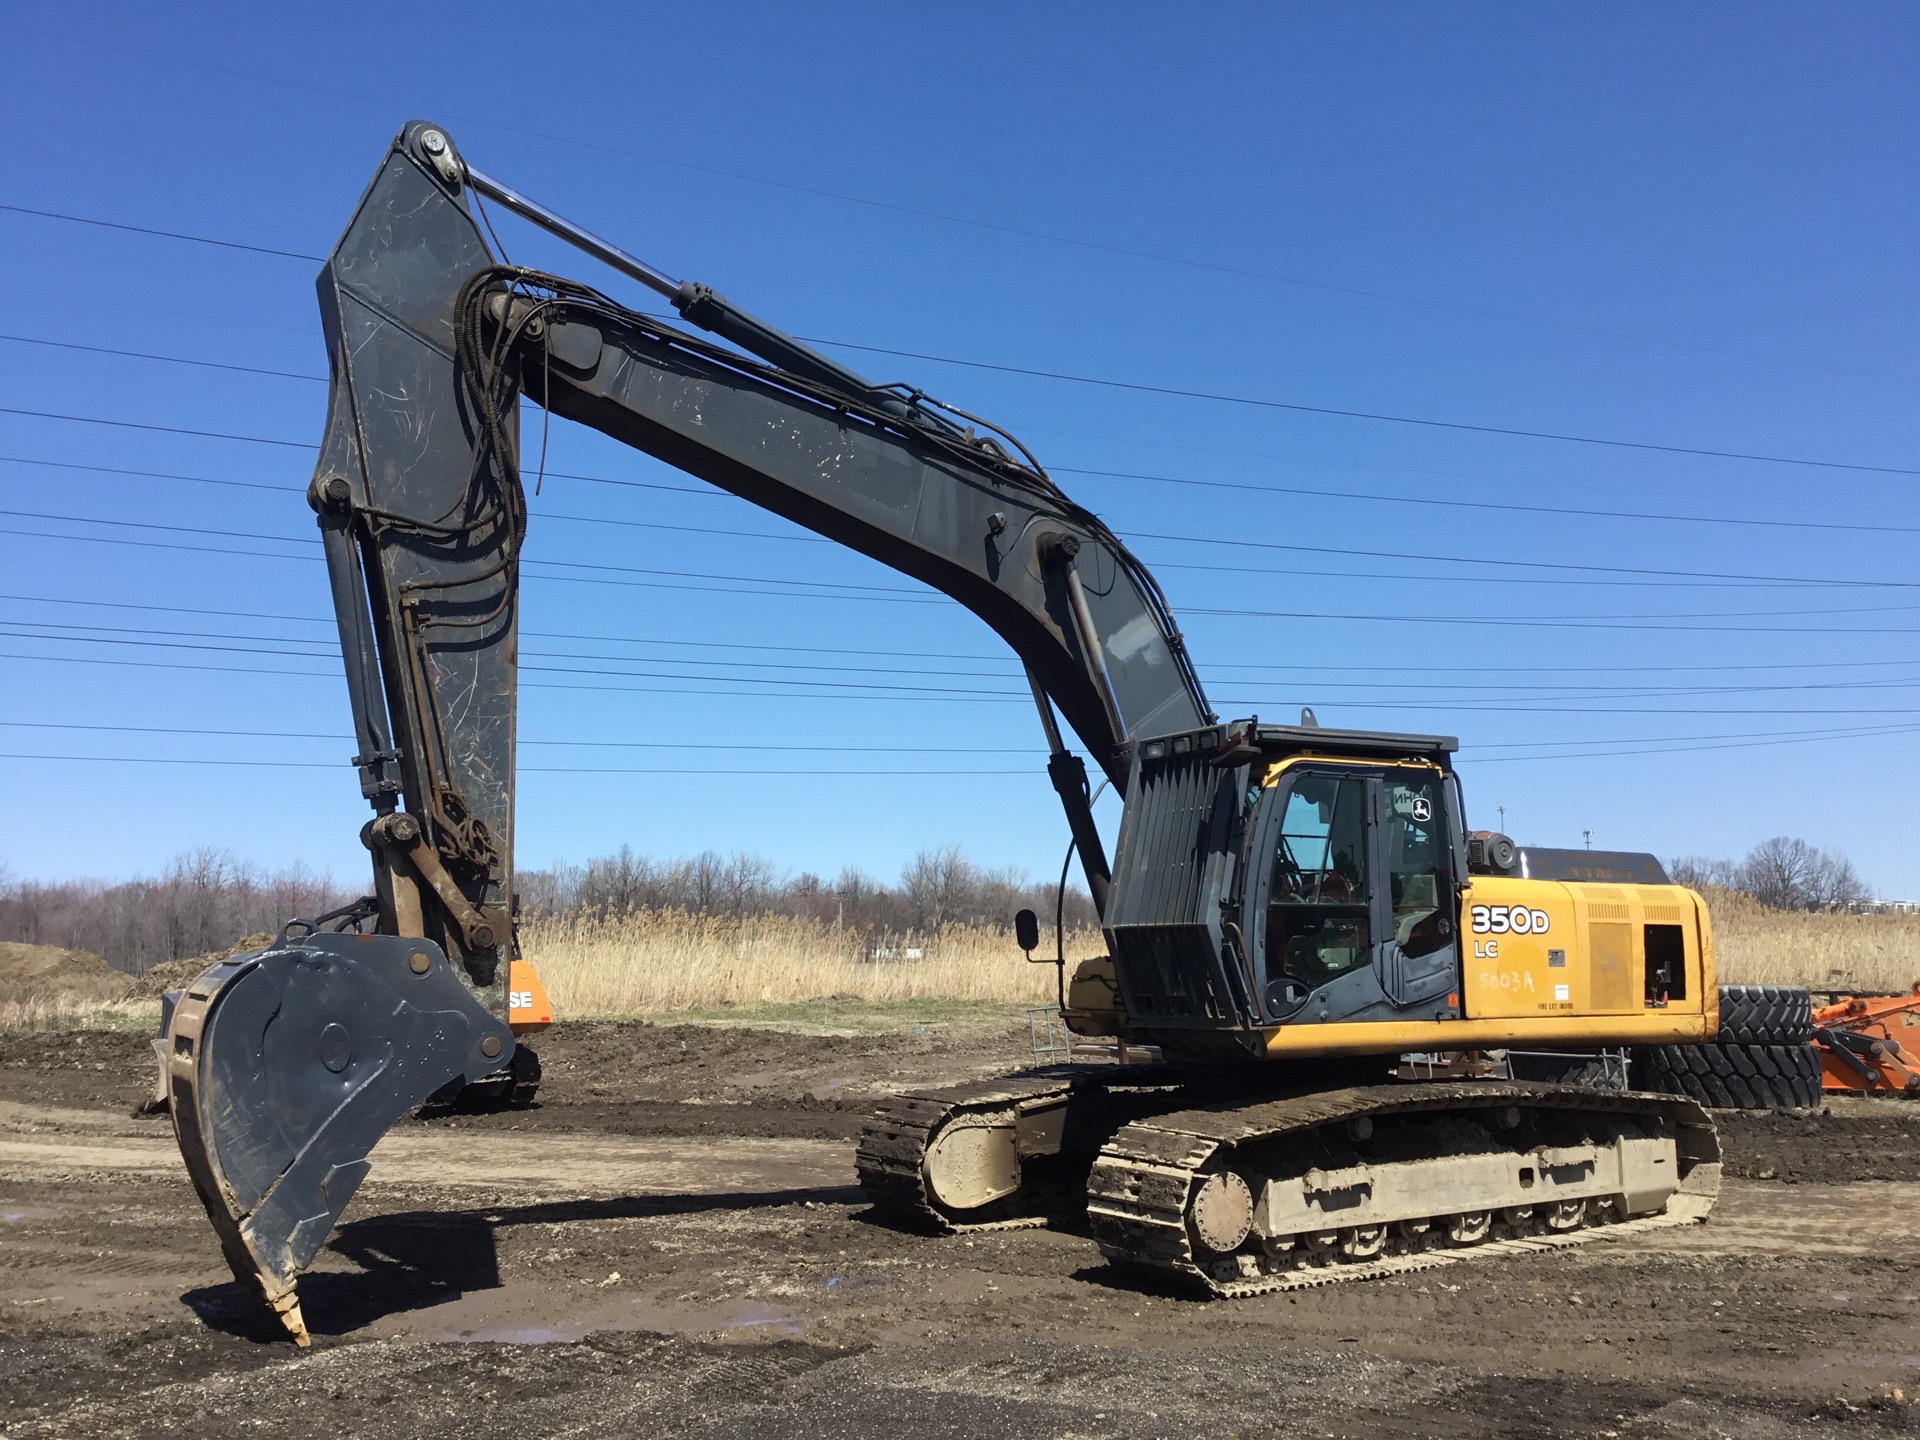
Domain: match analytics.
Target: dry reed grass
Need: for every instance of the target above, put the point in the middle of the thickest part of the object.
(67, 1012)
(1757, 946)
(650, 962)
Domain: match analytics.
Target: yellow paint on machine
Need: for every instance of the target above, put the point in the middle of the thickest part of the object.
(1544, 963)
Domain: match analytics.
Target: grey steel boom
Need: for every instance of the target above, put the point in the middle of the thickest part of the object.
(431, 345)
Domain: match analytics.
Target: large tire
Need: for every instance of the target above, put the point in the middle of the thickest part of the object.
(1765, 1015)
(1731, 1076)
(1588, 1072)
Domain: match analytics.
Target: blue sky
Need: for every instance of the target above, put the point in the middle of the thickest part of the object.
(1686, 227)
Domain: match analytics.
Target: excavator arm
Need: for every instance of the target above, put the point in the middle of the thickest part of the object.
(286, 1067)
(432, 345)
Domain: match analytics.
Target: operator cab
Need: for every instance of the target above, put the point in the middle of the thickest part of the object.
(1351, 880)
(1268, 874)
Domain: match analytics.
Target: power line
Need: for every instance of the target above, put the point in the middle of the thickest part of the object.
(346, 739)
(1637, 746)
(1297, 671)
(1364, 496)
(1504, 507)
(169, 359)
(1825, 730)
(539, 634)
(159, 429)
(892, 595)
(704, 490)
(1176, 392)
(330, 648)
(1683, 749)
(1503, 697)
(147, 474)
(1256, 402)
(866, 591)
(839, 689)
(70, 298)
(163, 234)
(758, 776)
(1442, 693)
(1502, 563)
(1306, 491)
(1715, 577)
(903, 599)
(984, 698)
(837, 685)
(1622, 624)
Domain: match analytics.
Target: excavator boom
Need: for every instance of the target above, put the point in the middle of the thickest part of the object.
(432, 344)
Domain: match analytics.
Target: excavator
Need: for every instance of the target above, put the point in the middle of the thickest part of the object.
(1289, 909)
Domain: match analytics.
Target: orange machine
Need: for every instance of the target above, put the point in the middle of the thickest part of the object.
(1858, 1051)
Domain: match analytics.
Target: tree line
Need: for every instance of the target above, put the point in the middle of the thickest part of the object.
(937, 887)
(203, 900)
(1782, 874)
(206, 899)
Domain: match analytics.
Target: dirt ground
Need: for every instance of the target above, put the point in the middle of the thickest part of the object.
(671, 1242)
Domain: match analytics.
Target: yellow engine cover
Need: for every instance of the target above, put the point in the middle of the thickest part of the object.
(1544, 948)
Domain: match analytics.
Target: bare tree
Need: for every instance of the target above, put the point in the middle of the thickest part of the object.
(1779, 872)
(1785, 873)
(1695, 871)
(1835, 885)
(205, 900)
(941, 886)
(744, 884)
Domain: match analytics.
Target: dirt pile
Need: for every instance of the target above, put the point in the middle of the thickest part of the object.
(47, 973)
(177, 974)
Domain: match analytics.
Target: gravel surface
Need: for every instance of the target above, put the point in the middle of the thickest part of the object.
(671, 1242)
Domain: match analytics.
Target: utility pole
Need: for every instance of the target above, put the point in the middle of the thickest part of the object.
(1503, 818)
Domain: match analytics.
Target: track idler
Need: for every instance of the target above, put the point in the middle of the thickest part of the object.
(285, 1067)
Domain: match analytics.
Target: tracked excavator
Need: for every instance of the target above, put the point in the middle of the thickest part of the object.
(1288, 909)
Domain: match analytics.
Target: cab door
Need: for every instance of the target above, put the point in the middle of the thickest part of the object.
(1419, 950)
(1350, 894)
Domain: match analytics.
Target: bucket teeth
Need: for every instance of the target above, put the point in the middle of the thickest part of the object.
(285, 1067)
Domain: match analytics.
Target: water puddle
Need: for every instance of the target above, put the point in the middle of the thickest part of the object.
(525, 1317)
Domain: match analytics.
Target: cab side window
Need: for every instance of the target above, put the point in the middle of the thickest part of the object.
(1417, 865)
(1318, 925)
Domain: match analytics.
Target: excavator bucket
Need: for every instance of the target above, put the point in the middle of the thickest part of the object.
(284, 1069)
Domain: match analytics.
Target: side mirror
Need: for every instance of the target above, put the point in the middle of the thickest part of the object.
(1026, 930)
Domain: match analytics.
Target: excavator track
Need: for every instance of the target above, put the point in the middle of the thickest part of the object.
(1166, 1185)
(982, 1138)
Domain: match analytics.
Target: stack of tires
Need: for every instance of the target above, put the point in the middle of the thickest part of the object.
(1762, 1059)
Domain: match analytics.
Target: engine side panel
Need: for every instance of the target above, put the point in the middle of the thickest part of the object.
(1544, 949)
